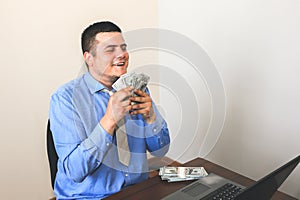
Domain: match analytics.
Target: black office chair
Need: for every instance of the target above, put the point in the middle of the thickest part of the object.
(52, 155)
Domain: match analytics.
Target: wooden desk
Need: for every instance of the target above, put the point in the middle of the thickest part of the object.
(154, 188)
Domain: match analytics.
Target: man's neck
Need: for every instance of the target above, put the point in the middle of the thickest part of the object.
(105, 80)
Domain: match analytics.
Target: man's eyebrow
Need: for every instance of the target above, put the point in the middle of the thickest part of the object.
(114, 45)
(111, 45)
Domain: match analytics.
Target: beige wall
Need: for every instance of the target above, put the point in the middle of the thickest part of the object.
(254, 45)
(40, 50)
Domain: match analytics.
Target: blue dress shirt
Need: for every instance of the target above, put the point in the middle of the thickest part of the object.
(88, 165)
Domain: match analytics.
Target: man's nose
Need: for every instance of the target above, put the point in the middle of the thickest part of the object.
(121, 53)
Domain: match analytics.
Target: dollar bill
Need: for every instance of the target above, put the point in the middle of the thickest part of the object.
(136, 80)
(120, 83)
(130, 79)
(173, 174)
(176, 179)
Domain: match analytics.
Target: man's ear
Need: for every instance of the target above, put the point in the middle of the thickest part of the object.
(88, 59)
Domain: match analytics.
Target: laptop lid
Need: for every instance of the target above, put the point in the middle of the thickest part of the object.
(268, 185)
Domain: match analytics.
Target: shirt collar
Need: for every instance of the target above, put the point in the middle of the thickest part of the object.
(93, 85)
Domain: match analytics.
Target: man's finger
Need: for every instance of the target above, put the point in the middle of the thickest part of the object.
(124, 93)
(139, 106)
(138, 99)
(126, 103)
(140, 93)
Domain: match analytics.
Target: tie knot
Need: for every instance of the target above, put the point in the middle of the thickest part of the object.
(110, 92)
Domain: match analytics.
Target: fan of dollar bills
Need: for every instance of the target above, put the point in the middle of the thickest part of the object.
(174, 174)
(138, 81)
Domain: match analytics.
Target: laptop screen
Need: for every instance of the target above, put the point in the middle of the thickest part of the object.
(267, 186)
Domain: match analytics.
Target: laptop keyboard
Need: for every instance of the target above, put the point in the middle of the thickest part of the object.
(226, 192)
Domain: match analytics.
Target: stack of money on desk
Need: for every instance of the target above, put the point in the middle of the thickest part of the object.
(173, 174)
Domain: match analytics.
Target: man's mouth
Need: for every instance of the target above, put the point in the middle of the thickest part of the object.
(119, 64)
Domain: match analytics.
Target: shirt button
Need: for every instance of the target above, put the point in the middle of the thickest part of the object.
(154, 129)
(107, 144)
(126, 175)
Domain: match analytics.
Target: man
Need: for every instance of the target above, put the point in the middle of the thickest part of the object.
(85, 118)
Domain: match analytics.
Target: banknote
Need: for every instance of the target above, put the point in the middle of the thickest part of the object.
(136, 80)
(173, 174)
(176, 179)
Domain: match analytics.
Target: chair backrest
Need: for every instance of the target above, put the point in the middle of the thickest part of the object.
(52, 155)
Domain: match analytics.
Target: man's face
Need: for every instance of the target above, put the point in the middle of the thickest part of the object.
(109, 58)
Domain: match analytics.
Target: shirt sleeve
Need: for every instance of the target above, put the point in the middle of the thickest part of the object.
(80, 153)
(157, 135)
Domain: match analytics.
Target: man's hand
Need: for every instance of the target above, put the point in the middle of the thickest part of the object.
(118, 105)
(143, 106)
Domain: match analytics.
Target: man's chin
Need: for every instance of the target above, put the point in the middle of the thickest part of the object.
(114, 78)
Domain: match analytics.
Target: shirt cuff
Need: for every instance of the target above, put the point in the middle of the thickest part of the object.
(156, 127)
(157, 137)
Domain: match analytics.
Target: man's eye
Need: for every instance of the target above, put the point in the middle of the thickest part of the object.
(110, 49)
(124, 47)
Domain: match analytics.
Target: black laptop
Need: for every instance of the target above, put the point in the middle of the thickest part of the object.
(217, 187)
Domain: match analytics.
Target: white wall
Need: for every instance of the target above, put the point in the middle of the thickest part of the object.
(40, 50)
(255, 46)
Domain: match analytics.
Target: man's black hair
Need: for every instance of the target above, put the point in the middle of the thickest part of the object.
(89, 34)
